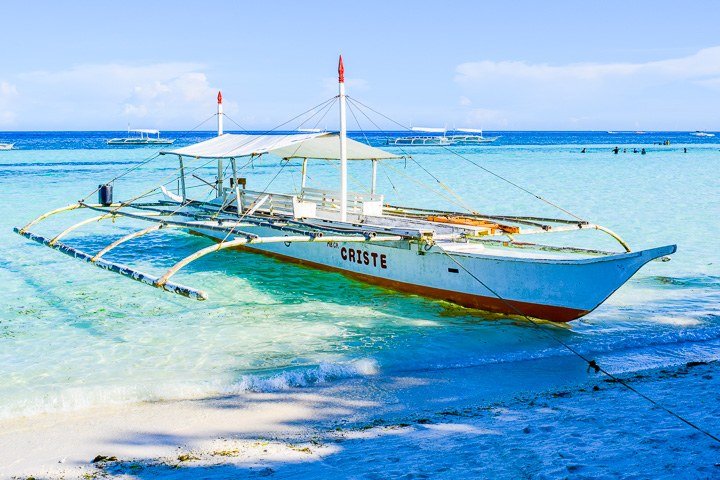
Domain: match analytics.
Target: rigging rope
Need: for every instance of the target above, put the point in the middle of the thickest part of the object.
(591, 363)
(477, 165)
(464, 204)
(402, 203)
(282, 164)
(149, 159)
(421, 184)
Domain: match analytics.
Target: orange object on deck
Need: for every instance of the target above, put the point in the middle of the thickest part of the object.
(475, 223)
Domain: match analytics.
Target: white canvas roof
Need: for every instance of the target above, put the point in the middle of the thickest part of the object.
(234, 145)
(328, 147)
(307, 145)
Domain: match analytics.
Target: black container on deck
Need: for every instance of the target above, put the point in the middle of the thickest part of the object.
(105, 194)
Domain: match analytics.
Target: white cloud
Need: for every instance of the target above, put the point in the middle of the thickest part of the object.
(465, 101)
(590, 95)
(704, 63)
(156, 99)
(106, 96)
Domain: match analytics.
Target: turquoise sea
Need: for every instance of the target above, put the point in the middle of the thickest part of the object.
(73, 336)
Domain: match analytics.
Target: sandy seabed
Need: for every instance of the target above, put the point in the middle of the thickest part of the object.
(400, 427)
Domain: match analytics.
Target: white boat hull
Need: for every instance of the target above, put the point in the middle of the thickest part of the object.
(131, 141)
(552, 289)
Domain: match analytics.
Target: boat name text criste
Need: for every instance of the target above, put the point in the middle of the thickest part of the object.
(362, 257)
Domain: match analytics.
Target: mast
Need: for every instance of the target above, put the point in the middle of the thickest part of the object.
(220, 162)
(343, 144)
(220, 114)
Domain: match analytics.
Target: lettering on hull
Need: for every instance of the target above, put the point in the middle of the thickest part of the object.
(361, 257)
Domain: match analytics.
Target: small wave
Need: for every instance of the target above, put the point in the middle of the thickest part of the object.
(78, 398)
(303, 377)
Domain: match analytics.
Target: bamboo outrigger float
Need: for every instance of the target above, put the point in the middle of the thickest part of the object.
(467, 258)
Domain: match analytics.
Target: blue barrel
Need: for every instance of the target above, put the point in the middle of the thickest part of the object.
(105, 194)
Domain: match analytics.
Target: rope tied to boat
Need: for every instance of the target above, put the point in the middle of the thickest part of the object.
(591, 363)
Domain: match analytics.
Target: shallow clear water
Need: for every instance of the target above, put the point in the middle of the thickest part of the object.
(73, 336)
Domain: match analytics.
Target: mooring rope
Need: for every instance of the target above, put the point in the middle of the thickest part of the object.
(591, 363)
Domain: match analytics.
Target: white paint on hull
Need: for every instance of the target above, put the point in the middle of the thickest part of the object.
(577, 284)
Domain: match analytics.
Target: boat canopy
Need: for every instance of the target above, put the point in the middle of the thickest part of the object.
(144, 130)
(306, 145)
(469, 130)
(328, 147)
(232, 145)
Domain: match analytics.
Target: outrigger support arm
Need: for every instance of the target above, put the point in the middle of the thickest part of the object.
(614, 235)
(124, 239)
(80, 224)
(41, 217)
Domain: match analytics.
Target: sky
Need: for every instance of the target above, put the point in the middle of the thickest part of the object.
(521, 65)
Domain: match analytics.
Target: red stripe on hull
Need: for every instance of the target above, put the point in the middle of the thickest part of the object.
(489, 304)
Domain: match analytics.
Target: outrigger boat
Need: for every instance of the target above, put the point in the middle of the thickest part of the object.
(470, 259)
(422, 140)
(6, 146)
(143, 138)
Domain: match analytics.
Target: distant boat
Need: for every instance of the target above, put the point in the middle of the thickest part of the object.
(698, 133)
(417, 141)
(609, 131)
(142, 139)
(639, 132)
(6, 146)
(475, 137)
